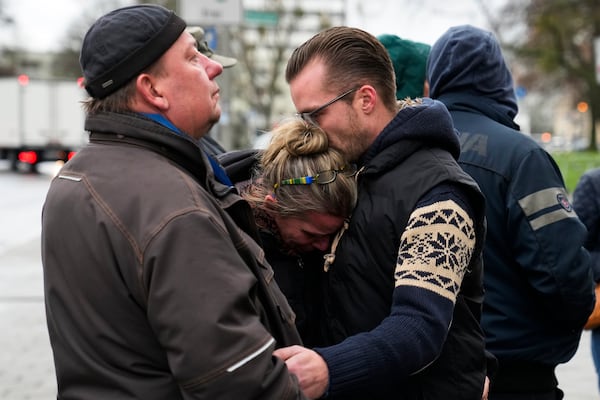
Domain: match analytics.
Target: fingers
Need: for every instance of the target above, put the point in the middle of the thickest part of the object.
(308, 366)
(486, 389)
(286, 352)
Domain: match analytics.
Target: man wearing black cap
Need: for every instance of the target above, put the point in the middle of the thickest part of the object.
(155, 287)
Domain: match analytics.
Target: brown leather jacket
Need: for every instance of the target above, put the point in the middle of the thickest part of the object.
(155, 286)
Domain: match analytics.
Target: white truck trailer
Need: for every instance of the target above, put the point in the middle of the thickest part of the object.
(40, 120)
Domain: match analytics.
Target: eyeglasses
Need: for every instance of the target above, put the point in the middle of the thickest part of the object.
(311, 115)
(322, 178)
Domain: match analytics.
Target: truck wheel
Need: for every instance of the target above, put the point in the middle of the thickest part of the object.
(33, 168)
(14, 162)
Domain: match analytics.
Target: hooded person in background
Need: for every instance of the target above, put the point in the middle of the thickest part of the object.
(156, 288)
(538, 281)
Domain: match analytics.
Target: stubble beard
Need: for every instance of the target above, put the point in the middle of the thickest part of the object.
(355, 141)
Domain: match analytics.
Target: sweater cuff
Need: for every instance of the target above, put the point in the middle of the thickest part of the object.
(347, 371)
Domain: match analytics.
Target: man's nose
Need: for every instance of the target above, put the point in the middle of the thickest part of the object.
(214, 68)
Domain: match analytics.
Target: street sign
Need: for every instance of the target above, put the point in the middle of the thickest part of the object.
(210, 35)
(261, 18)
(211, 12)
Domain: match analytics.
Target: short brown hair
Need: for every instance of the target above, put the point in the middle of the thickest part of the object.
(350, 55)
(120, 100)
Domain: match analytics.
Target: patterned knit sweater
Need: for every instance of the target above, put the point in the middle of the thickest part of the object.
(403, 298)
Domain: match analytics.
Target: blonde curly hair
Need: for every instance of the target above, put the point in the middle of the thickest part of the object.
(298, 149)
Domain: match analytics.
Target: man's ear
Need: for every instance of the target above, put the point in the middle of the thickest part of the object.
(367, 96)
(150, 95)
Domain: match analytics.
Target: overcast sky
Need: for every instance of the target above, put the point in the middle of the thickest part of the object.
(39, 24)
(42, 24)
(420, 20)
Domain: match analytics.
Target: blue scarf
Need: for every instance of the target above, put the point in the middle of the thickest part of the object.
(219, 172)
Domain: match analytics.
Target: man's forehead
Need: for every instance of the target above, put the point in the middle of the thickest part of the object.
(309, 86)
(314, 71)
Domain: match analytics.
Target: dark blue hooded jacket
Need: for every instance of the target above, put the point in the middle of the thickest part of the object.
(538, 280)
(586, 201)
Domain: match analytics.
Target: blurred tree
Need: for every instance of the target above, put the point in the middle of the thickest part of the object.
(65, 62)
(8, 53)
(6, 20)
(262, 44)
(170, 4)
(558, 41)
(262, 48)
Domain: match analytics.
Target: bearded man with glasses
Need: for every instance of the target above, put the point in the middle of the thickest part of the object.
(402, 297)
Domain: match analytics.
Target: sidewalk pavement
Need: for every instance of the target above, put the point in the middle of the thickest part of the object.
(26, 366)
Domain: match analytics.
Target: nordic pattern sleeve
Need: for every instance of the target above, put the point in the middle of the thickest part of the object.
(435, 250)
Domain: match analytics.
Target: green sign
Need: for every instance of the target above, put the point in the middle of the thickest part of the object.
(256, 17)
